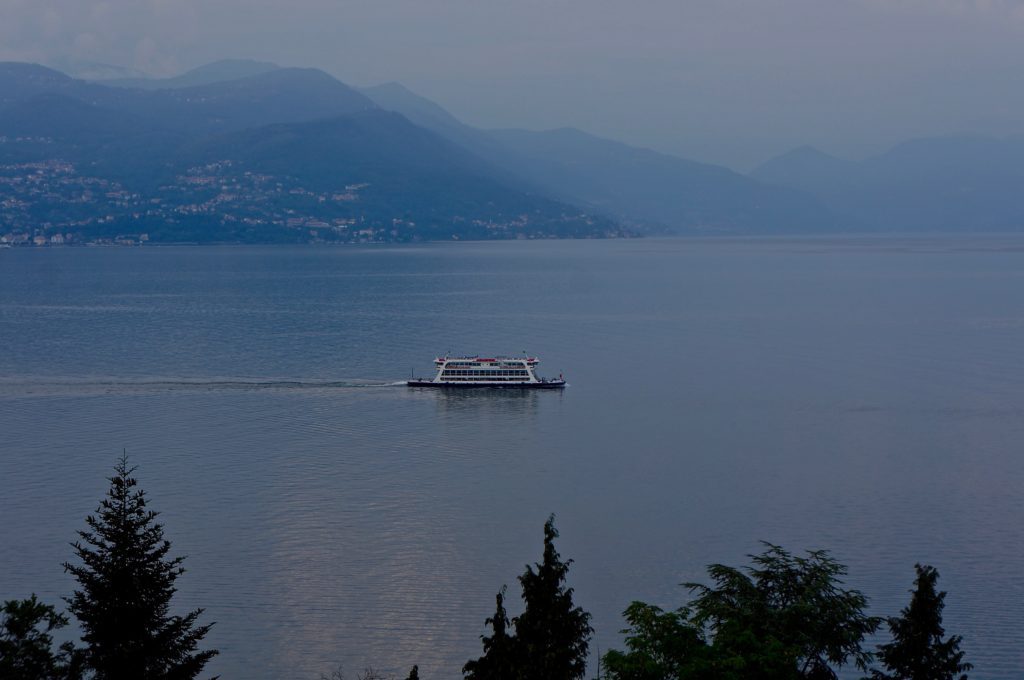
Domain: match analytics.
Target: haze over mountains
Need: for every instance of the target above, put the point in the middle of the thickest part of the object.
(616, 179)
(959, 184)
(215, 72)
(283, 155)
(244, 151)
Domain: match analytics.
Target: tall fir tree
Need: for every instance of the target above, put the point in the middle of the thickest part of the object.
(917, 650)
(552, 635)
(126, 582)
(499, 659)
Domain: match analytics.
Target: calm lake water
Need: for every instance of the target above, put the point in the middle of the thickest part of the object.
(865, 396)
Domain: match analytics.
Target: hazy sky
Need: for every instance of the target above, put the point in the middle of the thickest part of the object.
(728, 81)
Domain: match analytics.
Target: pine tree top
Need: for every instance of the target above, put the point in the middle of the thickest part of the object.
(918, 650)
(552, 633)
(126, 582)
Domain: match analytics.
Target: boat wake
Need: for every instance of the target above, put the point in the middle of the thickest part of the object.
(28, 386)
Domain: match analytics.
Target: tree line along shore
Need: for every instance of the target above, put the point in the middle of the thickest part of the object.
(782, 617)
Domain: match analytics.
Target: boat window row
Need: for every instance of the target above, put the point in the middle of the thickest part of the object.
(485, 378)
(451, 364)
(488, 373)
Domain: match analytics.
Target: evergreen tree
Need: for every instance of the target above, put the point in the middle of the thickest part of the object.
(552, 636)
(414, 674)
(499, 659)
(917, 651)
(126, 582)
(26, 643)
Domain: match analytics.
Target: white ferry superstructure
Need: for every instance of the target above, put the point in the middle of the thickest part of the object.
(507, 372)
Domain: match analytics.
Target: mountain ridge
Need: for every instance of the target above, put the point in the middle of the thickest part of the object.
(641, 186)
(285, 155)
(207, 74)
(966, 183)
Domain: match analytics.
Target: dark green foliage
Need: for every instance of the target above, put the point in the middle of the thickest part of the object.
(552, 635)
(126, 583)
(783, 617)
(26, 643)
(659, 645)
(499, 659)
(917, 651)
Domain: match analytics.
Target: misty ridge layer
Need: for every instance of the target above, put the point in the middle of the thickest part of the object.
(215, 72)
(410, 174)
(287, 155)
(941, 184)
(953, 184)
(421, 173)
(279, 96)
(657, 190)
(241, 150)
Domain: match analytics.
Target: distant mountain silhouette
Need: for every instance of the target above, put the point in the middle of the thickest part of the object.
(281, 95)
(19, 82)
(278, 96)
(84, 69)
(215, 72)
(934, 184)
(653, 187)
(411, 172)
(630, 183)
(805, 167)
(429, 115)
(129, 134)
(292, 144)
(304, 126)
(420, 110)
(28, 104)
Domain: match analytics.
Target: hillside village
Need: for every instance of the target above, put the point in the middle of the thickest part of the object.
(53, 203)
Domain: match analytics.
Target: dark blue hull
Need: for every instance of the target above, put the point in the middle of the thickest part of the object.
(543, 385)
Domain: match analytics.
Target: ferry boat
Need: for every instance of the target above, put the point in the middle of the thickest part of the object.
(507, 372)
